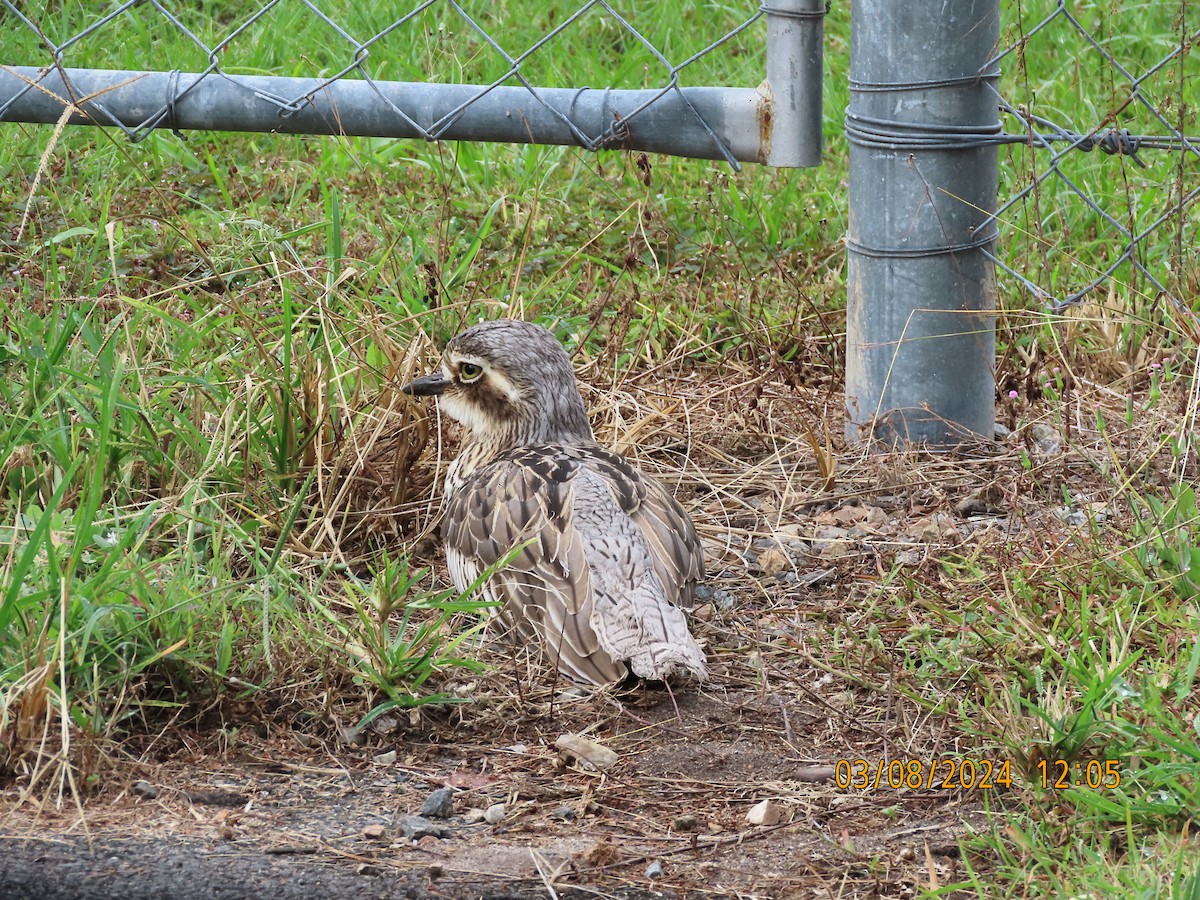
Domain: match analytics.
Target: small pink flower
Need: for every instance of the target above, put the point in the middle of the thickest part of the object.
(1012, 395)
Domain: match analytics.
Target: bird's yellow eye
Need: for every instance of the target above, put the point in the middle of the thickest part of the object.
(469, 372)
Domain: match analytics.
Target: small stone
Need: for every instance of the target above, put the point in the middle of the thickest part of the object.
(790, 535)
(145, 789)
(564, 812)
(385, 759)
(1002, 432)
(773, 561)
(832, 533)
(374, 832)
(715, 828)
(817, 577)
(763, 813)
(597, 755)
(368, 870)
(909, 557)
(654, 870)
(495, 813)
(416, 827)
(439, 804)
(1046, 441)
(936, 528)
(350, 736)
(686, 822)
(473, 816)
(985, 501)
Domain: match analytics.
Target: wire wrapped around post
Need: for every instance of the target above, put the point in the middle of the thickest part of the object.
(924, 127)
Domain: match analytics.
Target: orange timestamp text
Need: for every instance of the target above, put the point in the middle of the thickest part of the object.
(972, 774)
(1060, 774)
(933, 774)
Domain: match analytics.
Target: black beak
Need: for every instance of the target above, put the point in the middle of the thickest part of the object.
(427, 385)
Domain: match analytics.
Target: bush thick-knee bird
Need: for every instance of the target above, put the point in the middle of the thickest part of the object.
(609, 560)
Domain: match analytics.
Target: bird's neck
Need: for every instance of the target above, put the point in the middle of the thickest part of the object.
(481, 448)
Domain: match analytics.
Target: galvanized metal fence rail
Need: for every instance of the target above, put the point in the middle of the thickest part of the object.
(778, 122)
(937, 92)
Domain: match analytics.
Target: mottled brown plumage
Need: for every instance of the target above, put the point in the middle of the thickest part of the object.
(608, 560)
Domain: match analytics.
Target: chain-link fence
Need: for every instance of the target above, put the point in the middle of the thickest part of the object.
(516, 86)
(1085, 105)
(935, 95)
(1101, 104)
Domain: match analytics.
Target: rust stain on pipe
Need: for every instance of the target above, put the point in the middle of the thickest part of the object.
(764, 113)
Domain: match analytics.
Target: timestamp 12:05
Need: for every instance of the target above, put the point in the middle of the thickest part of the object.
(1059, 774)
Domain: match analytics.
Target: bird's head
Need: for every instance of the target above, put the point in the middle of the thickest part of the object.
(510, 383)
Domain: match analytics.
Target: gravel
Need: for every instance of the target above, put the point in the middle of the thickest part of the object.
(439, 804)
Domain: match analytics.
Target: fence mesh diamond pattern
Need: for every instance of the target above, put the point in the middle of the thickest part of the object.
(1101, 166)
(1101, 156)
(393, 62)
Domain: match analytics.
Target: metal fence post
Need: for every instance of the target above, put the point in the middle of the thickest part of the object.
(795, 63)
(922, 124)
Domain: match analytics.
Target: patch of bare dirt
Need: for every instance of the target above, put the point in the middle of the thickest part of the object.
(668, 819)
(805, 553)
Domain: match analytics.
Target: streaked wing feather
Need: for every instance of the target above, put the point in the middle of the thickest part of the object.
(678, 557)
(634, 616)
(546, 586)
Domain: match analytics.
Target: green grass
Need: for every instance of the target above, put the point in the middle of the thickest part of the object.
(202, 342)
(1079, 664)
(1105, 671)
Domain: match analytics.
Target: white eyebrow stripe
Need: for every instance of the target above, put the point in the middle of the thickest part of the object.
(459, 358)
